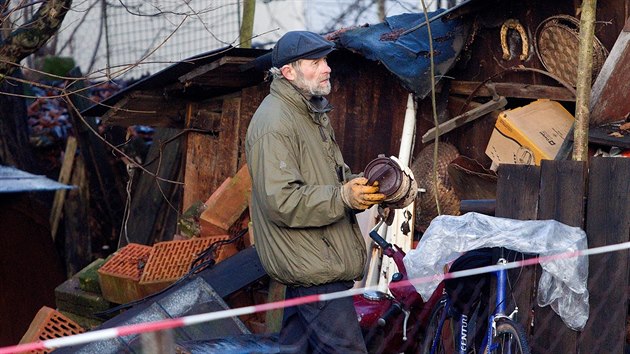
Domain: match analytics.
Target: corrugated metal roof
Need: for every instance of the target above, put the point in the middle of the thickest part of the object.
(13, 180)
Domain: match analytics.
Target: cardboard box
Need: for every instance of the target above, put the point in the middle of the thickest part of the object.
(529, 134)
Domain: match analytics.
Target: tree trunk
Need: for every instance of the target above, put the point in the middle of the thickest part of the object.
(585, 64)
(381, 9)
(15, 149)
(247, 28)
(31, 36)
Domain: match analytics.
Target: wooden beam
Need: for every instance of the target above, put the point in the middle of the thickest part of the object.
(151, 215)
(78, 234)
(512, 90)
(517, 198)
(211, 158)
(561, 198)
(608, 223)
(64, 177)
(227, 60)
(147, 108)
(205, 120)
(479, 110)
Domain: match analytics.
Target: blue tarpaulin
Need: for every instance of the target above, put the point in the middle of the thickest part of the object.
(407, 55)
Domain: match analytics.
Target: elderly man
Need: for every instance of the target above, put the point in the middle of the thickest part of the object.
(304, 199)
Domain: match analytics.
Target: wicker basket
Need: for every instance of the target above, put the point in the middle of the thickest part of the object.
(422, 168)
(557, 45)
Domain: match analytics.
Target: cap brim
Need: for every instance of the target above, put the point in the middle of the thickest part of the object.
(320, 53)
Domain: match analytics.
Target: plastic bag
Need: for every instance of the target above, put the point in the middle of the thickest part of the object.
(563, 281)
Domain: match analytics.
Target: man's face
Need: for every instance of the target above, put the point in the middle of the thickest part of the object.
(313, 77)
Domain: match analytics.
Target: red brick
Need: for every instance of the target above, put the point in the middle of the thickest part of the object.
(49, 324)
(226, 205)
(170, 260)
(119, 276)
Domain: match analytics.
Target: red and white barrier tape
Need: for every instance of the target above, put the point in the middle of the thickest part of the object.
(139, 328)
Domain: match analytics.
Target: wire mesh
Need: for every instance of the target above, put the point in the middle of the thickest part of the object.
(133, 38)
(128, 39)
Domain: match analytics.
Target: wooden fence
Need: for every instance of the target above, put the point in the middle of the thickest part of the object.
(596, 197)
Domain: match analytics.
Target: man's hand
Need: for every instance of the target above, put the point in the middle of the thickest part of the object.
(356, 194)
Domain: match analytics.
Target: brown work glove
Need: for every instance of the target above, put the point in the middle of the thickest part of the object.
(356, 194)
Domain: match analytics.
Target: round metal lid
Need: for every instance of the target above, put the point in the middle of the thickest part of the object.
(386, 172)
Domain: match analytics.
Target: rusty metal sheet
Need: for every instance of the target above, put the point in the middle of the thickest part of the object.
(609, 101)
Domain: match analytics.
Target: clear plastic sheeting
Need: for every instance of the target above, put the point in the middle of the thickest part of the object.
(563, 281)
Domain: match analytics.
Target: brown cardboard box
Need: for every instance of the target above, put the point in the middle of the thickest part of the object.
(529, 134)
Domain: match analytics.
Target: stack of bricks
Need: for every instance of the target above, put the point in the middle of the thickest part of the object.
(79, 297)
(119, 277)
(170, 260)
(49, 324)
(227, 206)
(80, 305)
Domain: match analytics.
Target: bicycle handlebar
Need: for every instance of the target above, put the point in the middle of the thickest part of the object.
(393, 310)
(380, 241)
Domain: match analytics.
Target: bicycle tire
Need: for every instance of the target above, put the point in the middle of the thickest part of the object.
(510, 335)
(446, 342)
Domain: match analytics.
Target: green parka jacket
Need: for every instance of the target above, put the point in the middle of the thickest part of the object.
(304, 233)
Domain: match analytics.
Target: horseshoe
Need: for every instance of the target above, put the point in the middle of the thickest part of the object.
(515, 25)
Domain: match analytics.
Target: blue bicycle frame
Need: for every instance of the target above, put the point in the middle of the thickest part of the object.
(461, 342)
(500, 307)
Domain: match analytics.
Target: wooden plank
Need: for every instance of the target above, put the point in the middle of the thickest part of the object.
(205, 120)
(562, 191)
(230, 138)
(251, 99)
(511, 90)
(471, 139)
(151, 215)
(151, 108)
(601, 136)
(273, 318)
(517, 191)
(210, 159)
(204, 69)
(369, 112)
(78, 234)
(64, 177)
(517, 198)
(607, 223)
(220, 75)
(478, 110)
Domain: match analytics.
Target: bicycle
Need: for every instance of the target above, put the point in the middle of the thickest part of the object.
(393, 323)
(449, 328)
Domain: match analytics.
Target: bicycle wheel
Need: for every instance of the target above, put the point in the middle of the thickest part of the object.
(439, 330)
(510, 338)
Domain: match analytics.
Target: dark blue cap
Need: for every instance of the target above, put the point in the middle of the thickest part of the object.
(296, 45)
